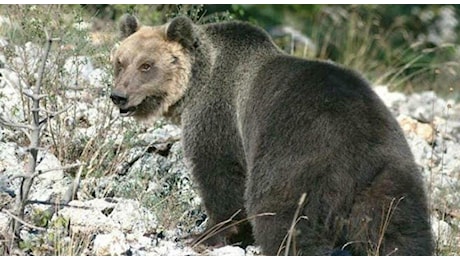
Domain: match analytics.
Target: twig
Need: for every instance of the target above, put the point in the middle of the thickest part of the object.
(8, 123)
(33, 96)
(40, 172)
(386, 222)
(56, 204)
(445, 213)
(22, 221)
(350, 243)
(295, 220)
(214, 230)
(76, 183)
(53, 114)
(221, 226)
(22, 127)
(61, 168)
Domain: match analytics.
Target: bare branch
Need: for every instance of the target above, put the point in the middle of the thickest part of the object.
(56, 204)
(222, 226)
(53, 114)
(22, 221)
(63, 168)
(8, 123)
(40, 172)
(34, 138)
(32, 96)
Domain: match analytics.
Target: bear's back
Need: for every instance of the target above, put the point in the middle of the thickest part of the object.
(293, 101)
(239, 35)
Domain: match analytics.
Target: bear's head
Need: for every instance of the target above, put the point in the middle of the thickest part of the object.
(152, 66)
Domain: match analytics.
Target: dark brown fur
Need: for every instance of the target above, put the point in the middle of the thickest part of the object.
(260, 128)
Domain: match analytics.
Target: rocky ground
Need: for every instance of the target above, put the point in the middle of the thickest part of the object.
(135, 195)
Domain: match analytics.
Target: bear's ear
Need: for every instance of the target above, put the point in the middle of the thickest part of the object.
(128, 25)
(182, 30)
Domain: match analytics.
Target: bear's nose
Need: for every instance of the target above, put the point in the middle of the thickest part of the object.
(118, 98)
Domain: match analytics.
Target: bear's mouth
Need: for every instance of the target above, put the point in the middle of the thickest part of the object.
(124, 112)
(148, 105)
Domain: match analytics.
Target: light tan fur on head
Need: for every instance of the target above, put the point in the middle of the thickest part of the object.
(151, 71)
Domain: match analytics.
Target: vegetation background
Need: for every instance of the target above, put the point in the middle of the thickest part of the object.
(409, 48)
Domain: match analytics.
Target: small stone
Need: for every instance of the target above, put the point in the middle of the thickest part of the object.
(132, 217)
(88, 216)
(253, 251)
(228, 250)
(52, 168)
(442, 231)
(111, 244)
(410, 125)
(4, 221)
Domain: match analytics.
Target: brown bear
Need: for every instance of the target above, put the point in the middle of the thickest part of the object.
(262, 128)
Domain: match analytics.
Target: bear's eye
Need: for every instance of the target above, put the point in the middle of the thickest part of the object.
(145, 67)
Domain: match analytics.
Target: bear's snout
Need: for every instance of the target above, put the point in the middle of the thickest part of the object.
(118, 98)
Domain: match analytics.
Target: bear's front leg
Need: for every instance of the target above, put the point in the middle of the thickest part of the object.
(216, 159)
(221, 186)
